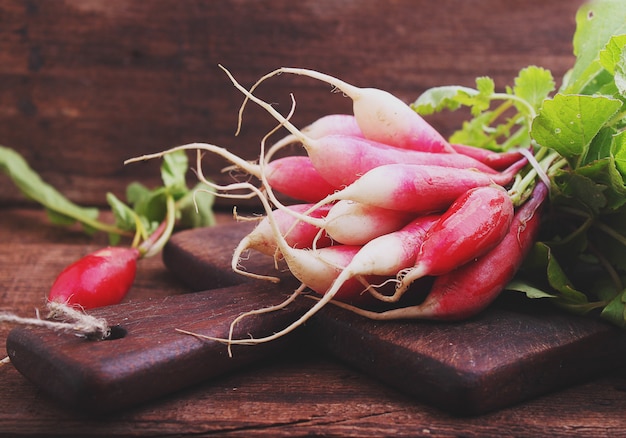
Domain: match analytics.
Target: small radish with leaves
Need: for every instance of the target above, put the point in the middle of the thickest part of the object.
(101, 278)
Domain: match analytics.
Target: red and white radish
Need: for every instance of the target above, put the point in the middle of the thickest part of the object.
(417, 188)
(475, 223)
(331, 124)
(341, 159)
(99, 279)
(381, 116)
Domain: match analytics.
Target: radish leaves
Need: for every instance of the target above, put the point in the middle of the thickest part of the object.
(577, 136)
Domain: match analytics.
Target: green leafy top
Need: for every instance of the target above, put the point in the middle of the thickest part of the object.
(150, 214)
(577, 135)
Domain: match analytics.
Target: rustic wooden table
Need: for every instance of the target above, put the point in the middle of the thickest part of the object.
(303, 392)
(87, 84)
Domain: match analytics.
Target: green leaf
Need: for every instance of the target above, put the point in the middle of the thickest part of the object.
(615, 311)
(620, 74)
(60, 210)
(568, 123)
(577, 191)
(135, 192)
(596, 22)
(125, 217)
(619, 152)
(533, 84)
(198, 213)
(602, 146)
(173, 171)
(611, 54)
(562, 287)
(530, 290)
(437, 99)
(604, 172)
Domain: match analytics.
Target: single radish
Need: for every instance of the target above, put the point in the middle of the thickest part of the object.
(417, 188)
(296, 177)
(323, 266)
(331, 124)
(475, 223)
(355, 223)
(342, 159)
(468, 290)
(495, 160)
(99, 279)
(381, 116)
(351, 223)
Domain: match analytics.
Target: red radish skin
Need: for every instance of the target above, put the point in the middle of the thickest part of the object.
(342, 159)
(417, 188)
(296, 177)
(468, 290)
(495, 160)
(381, 116)
(474, 224)
(99, 279)
(331, 124)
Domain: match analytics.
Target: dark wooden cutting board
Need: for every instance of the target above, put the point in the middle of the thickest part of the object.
(513, 351)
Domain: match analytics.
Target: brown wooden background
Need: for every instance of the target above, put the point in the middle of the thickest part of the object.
(86, 84)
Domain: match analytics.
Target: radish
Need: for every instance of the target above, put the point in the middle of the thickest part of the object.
(355, 223)
(416, 188)
(381, 116)
(344, 124)
(316, 268)
(466, 291)
(295, 176)
(99, 279)
(475, 223)
(388, 254)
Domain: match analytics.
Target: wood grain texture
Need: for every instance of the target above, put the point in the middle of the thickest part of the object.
(302, 393)
(88, 84)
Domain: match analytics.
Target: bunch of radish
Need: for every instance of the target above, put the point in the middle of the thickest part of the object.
(385, 202)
